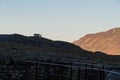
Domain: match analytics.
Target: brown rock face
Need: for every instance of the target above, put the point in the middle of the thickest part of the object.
(108, 42)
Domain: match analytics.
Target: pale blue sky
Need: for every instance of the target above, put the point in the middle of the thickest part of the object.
(66, 20)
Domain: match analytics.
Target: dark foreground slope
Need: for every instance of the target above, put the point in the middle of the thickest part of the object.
(19, 47)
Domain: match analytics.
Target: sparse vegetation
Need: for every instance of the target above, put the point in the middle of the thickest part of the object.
(19, 47)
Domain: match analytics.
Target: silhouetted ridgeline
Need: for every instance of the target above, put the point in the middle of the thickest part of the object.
(37, 41)
(19, 47)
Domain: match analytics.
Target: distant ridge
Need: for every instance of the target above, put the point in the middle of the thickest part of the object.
(107, 42)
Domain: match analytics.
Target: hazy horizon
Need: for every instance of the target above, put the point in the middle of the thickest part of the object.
(65, 20)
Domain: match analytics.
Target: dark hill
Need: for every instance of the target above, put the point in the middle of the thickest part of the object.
(20, 47)
(38, 42)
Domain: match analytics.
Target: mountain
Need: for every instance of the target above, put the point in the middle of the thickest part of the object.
(38, 42)
(107, 42)
(17, 47)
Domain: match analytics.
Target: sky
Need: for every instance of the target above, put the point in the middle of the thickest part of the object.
(65, 20)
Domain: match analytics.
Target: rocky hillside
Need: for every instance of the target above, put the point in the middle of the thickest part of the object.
(107, 42)
(18, 47)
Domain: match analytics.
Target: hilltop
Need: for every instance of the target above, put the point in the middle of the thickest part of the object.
(107, 42)
(19, 47)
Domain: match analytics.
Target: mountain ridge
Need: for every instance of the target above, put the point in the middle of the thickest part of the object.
(106, 41)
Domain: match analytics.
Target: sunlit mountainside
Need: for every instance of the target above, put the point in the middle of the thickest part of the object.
(107, 42)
